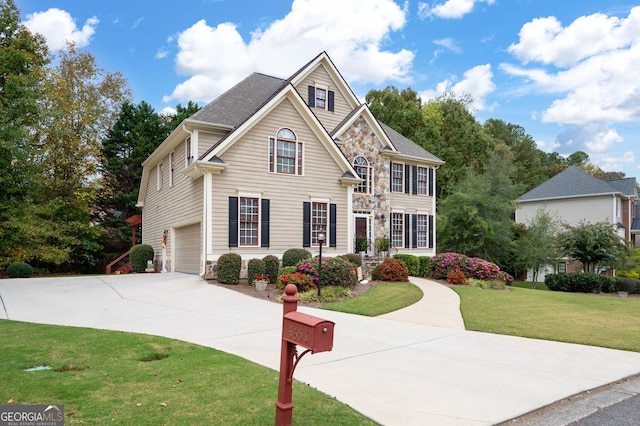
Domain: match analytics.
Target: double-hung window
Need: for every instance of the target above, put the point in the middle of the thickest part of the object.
(397, 229)
(319, 221)
(285, 153)
(422, 228)
(422, 180)
(249, 221)
(363, 169)
(397, 177)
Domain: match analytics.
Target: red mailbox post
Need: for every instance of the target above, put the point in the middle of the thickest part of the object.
(313, 333)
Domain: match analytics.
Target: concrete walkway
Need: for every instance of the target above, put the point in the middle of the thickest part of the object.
(396, 371)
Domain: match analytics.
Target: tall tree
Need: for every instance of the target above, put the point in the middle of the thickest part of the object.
(182, 112)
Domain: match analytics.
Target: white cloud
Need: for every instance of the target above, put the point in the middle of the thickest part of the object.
(162, 53)
(477, 82)
(353, 33)
(58, 27)
(450, 9)
(592, 63)
(448, 43)
(602, 141)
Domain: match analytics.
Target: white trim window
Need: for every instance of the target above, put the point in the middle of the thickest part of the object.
(160, 176)
(319, 221)
(397, 177)
(188, 153)
(397, 230)
(422, 180)
(249, 222)
(285, 153)
(422, 230)
(361, 165)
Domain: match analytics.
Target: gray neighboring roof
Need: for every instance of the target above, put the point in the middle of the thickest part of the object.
(626, 186)
(237, 104)
(406, 146)
(571, 182)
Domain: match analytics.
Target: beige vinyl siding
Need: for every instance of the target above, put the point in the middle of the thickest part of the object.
(206, 140)
(571, 210)
(170, 207)
(341, 108)
(188, 243)
(247, 172)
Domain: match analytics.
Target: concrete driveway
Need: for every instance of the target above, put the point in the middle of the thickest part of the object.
(395, 370)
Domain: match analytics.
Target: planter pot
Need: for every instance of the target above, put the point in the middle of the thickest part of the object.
(623, 294)
(260, 285)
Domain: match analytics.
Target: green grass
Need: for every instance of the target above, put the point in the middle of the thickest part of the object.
(106, 377)
(588, 319)
(380, 299)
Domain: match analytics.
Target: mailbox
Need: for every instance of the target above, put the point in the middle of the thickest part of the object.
(308, 331)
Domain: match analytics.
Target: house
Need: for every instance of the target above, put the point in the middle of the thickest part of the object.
(575, 196)
(271, 163)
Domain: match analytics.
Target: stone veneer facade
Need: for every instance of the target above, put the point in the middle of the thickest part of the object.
(360, 140)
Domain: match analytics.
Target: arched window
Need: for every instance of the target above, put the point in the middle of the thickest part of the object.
(364, 171)
(285, 153)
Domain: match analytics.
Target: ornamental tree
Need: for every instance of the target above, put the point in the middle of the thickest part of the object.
(594, 245)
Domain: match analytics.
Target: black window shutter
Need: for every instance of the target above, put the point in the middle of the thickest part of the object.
(414, 174)
(414, 230)
(312, 96)
(306, 224)
(330, 100)
(264, 223)
(430, 231)
(233, 221)
(407, 178)
(406, 230)
(332, 224)
(431, 182)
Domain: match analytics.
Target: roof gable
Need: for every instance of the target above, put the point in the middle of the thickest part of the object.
(571, 182)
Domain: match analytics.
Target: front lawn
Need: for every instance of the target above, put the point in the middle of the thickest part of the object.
(588, 319)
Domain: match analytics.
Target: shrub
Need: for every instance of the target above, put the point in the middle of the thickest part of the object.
(302, 281)
(412, 262)
(577, 282)
(626, 284)
(487, 284)
(442, 263)
(19, 270)
(425, 266)
(456, 276)
(229, 266)
(254, 267)
(506, 277)
(391, 270)
(287, 270)
(271, 267)
(293, 256)
(139, 255)
(335, 271)
(482, 270)
(353, 258)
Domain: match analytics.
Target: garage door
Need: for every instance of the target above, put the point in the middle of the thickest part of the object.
(187, 251)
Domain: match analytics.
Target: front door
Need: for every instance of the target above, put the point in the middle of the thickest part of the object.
(362, 227)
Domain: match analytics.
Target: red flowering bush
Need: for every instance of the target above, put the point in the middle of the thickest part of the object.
(302, 281)
(456, 277)
(391, 270)
(442, 263)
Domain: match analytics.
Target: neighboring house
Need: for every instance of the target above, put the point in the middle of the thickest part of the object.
(575, 196)
(270, 163)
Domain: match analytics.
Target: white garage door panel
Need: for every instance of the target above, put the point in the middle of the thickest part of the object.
(187, 255)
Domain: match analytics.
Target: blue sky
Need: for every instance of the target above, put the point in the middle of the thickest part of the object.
(566, 71)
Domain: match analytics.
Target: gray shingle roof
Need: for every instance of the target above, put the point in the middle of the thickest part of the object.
(406, 146)
(237, 104)
(571, 182)
(626, 186)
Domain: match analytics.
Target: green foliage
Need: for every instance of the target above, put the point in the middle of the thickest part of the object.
(329, 295)
(229, 267)
(594, 245)
(336, 271)
(271, 267)
(580, 282)
(19, 270)
(255, 267)
(425, 266)
(487, 284)
(293, 256)
(287, 270)
(139, 255)
(353, 258)
(412, 262)
(362, 244)
(630, 285)
(390, 270)
(382, 244)
(536, 245)
(630, 267)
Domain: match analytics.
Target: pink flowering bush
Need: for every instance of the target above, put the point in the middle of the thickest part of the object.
(336, 271)
(480, 269)
(442, 263)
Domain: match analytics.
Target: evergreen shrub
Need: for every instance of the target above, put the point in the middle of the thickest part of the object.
(412, 262)
(19, 270)
(336, 271)
(255, 267)
(425, 266)
(293, 256)
(229, 266)
(353, 258)
(139, 255)
(271, 267)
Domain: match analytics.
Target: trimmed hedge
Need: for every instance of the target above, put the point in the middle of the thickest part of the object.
(229, 266)
(139, 255)
(425, 266)
(353, 258)
(580, 283)
(412, 262)
(271, 267)
(254, 267)
(19, 270)
(293, 256)
(630, 285)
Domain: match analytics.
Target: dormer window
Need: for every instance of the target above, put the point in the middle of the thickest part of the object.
(285, 153)
(321, 97)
